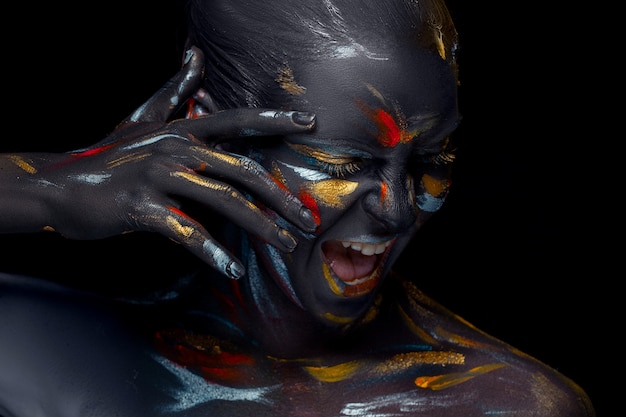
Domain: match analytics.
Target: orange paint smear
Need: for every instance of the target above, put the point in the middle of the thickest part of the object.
(383, 191)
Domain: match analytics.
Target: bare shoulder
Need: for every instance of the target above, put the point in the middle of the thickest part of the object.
(482, 370)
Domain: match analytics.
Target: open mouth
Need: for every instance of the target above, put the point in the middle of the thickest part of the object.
(354, 268)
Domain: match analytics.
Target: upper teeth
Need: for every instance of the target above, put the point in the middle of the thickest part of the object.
(366, 248)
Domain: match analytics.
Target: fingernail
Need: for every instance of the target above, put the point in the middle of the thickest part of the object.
(235, 270)
(287, 240)
(303, 118)
(307, 218)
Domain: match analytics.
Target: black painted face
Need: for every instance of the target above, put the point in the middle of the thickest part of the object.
(372, 172)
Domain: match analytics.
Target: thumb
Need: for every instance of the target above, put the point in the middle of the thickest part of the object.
(176, 91)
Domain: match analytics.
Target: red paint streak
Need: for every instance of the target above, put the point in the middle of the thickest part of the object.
(310, 203)
(278, 182)
(179, 212)
(95, 151)
(390, 134)
(191, 114)
(383, 191)
(213, 363)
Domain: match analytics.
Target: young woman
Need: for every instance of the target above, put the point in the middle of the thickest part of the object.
(315, 144)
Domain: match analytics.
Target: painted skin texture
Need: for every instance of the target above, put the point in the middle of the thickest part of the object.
(321, 329)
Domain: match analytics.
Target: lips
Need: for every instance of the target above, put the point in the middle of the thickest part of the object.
(354, 267)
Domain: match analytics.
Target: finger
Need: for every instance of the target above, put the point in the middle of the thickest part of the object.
(243, 122)
(224, 199)
(174, 93)
(246, 172)
(179, 227)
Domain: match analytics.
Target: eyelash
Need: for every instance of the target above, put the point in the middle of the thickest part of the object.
(441, 158)
(339, 170)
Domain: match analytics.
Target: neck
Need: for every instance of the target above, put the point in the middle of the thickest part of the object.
(275, 321)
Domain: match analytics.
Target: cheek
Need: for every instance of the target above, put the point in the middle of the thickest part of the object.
(431, 193)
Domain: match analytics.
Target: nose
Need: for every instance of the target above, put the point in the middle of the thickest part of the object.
(391, 202)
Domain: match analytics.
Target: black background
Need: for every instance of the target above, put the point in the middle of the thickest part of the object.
(517, 250)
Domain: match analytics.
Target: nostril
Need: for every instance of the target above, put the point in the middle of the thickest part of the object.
(393, 213)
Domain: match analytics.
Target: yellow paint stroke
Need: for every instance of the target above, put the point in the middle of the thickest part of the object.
(403, 361)
(333, 373)
(441, 48)
(418, 300)
(228, 159)
(346, 161)
(277, 175)
(330, 192)
(437, 382)
(418, 331)
(128, 158)
(457, 339)
(373, 311)
(338, 319)
(330, 281)
(287, 82)
(22, 164)
(175, 225)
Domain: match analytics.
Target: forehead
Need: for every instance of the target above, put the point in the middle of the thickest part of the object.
(414, 88)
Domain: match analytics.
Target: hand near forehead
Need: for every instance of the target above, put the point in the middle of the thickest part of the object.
(138, 177)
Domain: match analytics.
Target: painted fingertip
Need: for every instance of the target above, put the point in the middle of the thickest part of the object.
(303, 118)
(235, 270)
(307, 218)
(288, 241)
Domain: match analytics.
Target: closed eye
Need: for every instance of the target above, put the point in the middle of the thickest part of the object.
(337, 165)
(444, 157)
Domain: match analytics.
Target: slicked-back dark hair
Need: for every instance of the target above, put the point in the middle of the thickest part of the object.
(247, 42)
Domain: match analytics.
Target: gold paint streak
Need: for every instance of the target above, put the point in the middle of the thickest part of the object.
(434, 186)
(22, 164)
(407, 360)
(288, 83)
(373, 311)
(418, 331)
(198, 180)
(175, 225)
(330, 192)
(229, 159)
(437, 382)
(320, 155)
(330, 281)
(333, 373)
(459, 340)
(49, 229)
(440, 46)
(375, 92)
(278, 174)
(418, 300)
(128, 158)
(337, 319)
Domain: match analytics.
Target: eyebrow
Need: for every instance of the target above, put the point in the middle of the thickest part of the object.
(432, 123)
